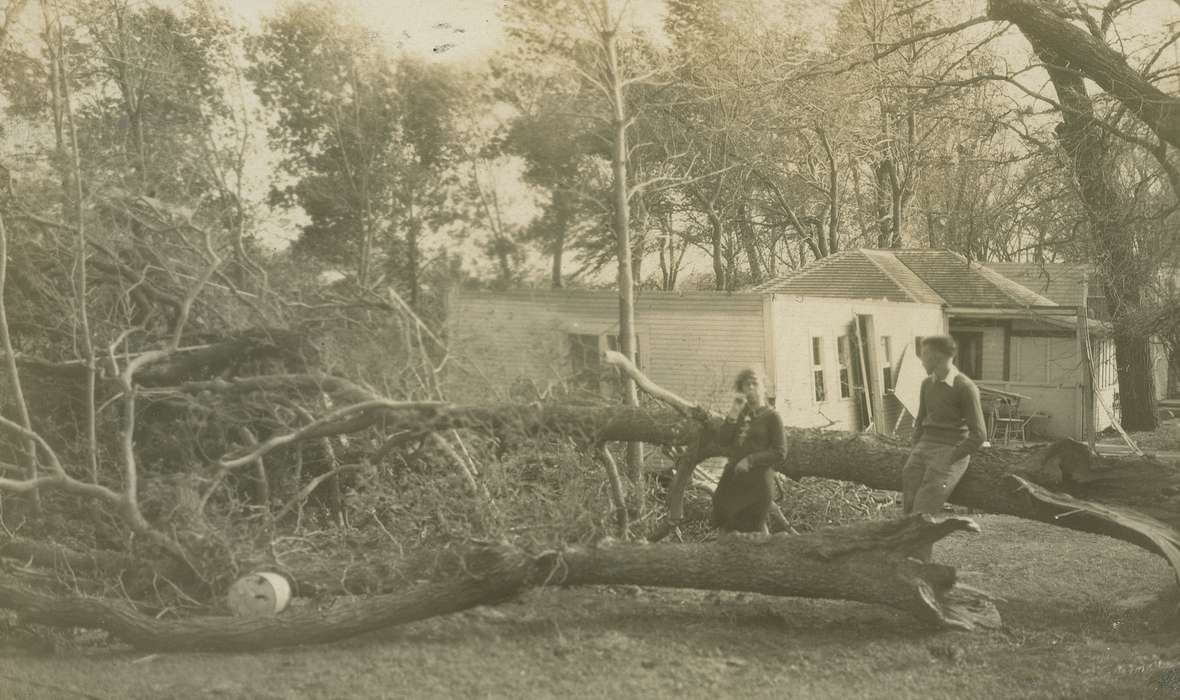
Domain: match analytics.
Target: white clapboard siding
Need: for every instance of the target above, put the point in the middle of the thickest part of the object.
(691, 343)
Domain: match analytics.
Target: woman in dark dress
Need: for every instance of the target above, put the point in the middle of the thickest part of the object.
(754, 434)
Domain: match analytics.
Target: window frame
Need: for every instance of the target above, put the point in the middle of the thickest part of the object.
(888, 376)
(591, 377)
(610, 341)
(819, 389)
(843, 365)
(588, 376)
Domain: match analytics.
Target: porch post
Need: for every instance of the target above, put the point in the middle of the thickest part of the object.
(1087, 361)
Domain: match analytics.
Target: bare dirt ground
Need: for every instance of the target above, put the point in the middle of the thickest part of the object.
(1068, 635)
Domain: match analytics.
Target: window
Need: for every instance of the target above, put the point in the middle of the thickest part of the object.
(585, 360)
(1044, 359)
(887, 364)
(970, 357)
(586, 351)
(612, 343)
(817, 369)
(843, 353)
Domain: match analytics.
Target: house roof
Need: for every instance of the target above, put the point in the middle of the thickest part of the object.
(964, 283)
(849, 274)
(1064, 283)
(909, 274)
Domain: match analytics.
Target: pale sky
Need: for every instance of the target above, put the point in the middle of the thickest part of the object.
(450, 30)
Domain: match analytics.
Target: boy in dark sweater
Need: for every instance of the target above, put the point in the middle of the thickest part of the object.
(948, 429)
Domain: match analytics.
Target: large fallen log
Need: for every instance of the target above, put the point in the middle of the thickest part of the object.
(1134, 493)
(866, 562)
(1146, 484)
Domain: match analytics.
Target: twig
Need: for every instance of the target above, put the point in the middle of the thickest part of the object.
(307, 430)
(80, 259)
(311, 486)
(651, 388)
(618, 495)
(29, 458)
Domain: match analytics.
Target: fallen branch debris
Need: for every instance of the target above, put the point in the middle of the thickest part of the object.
(866, 562)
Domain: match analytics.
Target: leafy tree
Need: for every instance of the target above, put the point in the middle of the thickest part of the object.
(372, 144)
(332, 92)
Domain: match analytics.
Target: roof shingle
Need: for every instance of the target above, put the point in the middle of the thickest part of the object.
(925, 276)
(1061, 282)
(849, 274)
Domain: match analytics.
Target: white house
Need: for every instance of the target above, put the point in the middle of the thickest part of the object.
(814, 350)
(827, 337)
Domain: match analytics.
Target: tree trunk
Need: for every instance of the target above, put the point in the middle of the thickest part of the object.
(867, 562)
(1137, 390)
(749, 241)
(562, 219)
(717, 240)
(833, 193)
(1133, 499)
(1123, 274)
(1045, 27)
(884, 197)
(621, 216)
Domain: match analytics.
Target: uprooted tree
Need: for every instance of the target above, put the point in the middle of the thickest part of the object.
(173, 417)
(215, 430)
(847, 562)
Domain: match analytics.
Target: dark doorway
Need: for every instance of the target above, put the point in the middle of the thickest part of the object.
(970, 359)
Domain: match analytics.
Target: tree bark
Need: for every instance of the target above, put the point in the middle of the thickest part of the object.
(833, 193)
(1144, 484)
(867, 562)
(720, 281)
(750, 243)
(560, 204)
(1124, 275)
(1135, 500)
(1096, 61)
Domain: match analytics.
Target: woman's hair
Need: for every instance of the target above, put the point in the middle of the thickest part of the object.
(942, 343)
(739, 384)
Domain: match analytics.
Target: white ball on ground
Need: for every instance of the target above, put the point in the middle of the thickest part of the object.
(262, 594)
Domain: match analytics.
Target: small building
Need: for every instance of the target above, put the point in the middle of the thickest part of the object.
(828, 338)
(694, 343)
(1016, 326)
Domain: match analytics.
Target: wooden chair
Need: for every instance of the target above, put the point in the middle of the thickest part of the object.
(1006, 416)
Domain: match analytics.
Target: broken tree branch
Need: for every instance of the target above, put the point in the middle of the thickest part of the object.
(867, 562)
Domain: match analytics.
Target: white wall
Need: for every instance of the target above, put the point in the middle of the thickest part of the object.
(1056, 404)
(798, 319)
(692, 343)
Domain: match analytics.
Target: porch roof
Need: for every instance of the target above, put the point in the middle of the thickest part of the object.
(1064, 317)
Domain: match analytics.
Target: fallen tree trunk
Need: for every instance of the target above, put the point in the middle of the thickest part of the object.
(866, 562)
(1047, 27)
(1063, 485)
(1146, 484)
(1131, 491)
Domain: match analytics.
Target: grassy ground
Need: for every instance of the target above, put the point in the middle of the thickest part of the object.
(1164, 439)
(1066, 636)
